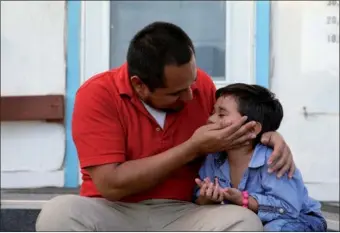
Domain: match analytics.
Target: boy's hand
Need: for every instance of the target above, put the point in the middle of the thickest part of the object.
(233, 195)
(210, 191)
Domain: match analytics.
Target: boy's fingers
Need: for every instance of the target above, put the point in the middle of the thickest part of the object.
(207, 180)
(203, 190)
(216, 182)
(199, 182)
(215, 195)
(210, 190)
(216, 190)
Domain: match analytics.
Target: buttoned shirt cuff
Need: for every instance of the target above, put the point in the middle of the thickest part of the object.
(268, 207)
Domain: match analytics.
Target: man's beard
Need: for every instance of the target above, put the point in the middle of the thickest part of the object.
(167, 110)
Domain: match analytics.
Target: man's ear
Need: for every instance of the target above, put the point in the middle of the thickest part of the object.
(257, 128)
(141, 89)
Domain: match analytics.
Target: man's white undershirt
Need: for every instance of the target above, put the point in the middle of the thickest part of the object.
(159, 116)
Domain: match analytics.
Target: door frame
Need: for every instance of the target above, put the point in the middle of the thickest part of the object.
(247, 53)
(240, 25)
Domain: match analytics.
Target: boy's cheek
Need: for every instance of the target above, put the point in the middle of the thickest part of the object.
(232, 119)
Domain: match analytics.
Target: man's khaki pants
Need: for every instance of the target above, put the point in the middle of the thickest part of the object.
(76, 213)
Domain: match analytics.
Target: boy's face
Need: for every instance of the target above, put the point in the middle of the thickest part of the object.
(225, 109)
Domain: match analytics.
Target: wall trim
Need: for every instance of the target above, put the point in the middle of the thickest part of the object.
(262, 48)
(48, 108)
(72, 84)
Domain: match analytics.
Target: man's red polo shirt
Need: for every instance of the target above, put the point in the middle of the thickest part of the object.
(111, 125)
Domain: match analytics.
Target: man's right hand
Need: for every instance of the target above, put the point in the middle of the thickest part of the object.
(215, 137)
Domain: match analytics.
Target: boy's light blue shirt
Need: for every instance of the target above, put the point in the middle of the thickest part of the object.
(277, 197)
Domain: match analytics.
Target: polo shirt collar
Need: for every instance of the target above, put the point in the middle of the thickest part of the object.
(123, 84)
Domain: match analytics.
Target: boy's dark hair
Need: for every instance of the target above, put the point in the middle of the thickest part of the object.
(155, 46)
(257, 103)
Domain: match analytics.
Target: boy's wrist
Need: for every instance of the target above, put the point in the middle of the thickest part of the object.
(239, 201)
(245, 199)
(242, 198)
(202, 200)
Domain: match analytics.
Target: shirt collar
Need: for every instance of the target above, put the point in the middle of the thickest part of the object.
(124, 85)
(259, 156)
(257, 160)
(123, 82)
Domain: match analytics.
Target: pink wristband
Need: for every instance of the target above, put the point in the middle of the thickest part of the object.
(245, 199)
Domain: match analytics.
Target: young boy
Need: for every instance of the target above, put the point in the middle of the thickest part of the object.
(240, 175)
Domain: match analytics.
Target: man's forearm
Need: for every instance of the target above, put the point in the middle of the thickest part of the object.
(138, 175)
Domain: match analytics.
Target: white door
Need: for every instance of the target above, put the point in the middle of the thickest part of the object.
(305, 64)
(222, 31)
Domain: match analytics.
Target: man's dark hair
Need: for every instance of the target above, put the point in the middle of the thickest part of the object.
(257, 103)
(155, 46)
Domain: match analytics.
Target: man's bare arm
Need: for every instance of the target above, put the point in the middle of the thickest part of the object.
(115, 182)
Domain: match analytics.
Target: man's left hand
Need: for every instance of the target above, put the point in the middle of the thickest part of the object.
(281, 160)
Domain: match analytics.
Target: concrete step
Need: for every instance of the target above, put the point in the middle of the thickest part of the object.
(20, 208)
(331, 211)
(18, 220)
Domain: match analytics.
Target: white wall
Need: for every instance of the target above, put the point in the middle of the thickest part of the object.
(32, 63)
(306, 73)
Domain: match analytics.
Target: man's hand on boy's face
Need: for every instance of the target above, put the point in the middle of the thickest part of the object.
(243, 136)
(222, 136)
(281, 160)
(209, 190)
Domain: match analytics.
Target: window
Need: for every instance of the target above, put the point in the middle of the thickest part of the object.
(204, 21)
(222, 31)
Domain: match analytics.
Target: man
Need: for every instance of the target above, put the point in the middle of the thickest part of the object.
(141, 135)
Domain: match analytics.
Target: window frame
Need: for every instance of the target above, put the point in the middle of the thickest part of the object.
(240, 38)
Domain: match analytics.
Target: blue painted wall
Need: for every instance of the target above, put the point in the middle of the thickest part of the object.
(72, 84)
(262, 48)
